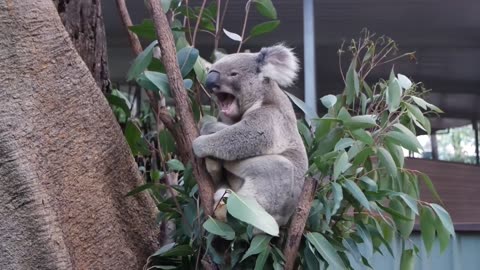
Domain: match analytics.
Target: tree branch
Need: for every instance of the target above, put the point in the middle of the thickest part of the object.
(127, 22)
(187, 127)
(297, 225)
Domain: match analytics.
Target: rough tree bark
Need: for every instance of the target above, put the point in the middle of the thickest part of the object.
(64, 164)
(83, 20)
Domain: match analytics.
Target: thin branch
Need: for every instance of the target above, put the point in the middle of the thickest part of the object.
(200, 14)
(297, 225)
(127, 22)
(187, 19)
(247, 10)
(187, 127)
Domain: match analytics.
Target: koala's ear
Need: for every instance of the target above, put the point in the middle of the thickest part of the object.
(279, 64)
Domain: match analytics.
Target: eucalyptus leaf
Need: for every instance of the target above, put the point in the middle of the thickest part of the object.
(444, 217)
(141, 62)
(404, 81)
(232, 36)
(360, 121)
(248, 210)
(160, 80)
(394, 94)
(219, 228)
(387, 161)
(175, 165)
(187, 57)
(356, 192)
(427, 227)
(310, 113)
(266, 8)
(328, 101)
(328, 252)
(259, 244)
(337, 197)
(407, 261)
(352, 82)
(262, 259)
(341, 164)
(264, 28)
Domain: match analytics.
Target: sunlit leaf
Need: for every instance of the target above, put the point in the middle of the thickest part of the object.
(328, 252)
(328, 101)
(404, 81)
(248, 210)
(232, 36)
(219, 228)
(394, 93)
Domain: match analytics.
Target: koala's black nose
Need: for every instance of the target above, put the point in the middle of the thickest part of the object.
(213, 79)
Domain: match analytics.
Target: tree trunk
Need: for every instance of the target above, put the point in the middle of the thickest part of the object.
(83, 20)
(64, 164)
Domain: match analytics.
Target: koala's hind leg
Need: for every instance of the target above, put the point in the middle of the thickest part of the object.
(270, 180)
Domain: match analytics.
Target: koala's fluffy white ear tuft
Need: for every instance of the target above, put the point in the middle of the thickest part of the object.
(279, 64)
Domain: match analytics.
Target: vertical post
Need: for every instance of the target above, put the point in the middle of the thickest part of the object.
(475, 129)
(434, 143)
(309, 54)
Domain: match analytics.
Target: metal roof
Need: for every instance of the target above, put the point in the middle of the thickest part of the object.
(444, 34)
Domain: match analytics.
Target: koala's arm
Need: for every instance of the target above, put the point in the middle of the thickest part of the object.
(252, 136)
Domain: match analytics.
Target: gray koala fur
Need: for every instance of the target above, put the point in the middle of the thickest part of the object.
(256, 141)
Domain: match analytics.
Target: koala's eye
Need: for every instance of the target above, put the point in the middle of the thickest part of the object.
(233, 74)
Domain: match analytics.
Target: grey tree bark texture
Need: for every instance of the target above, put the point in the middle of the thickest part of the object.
(64, 164)
(83, 20)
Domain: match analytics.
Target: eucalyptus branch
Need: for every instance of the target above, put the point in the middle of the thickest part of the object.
(200, 14)
(247, 10)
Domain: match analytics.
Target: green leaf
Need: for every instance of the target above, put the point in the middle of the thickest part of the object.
(405, 227)
(175, 165)
(323, 126)
(407, 262)
(362, 135)
(187, 83)
(187, 57)
(418, 117)
(119, 102)
(264, 28)
(305, 133)
(394, 93)
(372, 185)
(219, 228)
(444, 217)
(309, 112)
(357, 193)
(166, 5)
(141, 62)
(430, 186)
(341, 165)
(259, 244)
(410, 143)
(135, 140)
(337, 197)
(232, 36)
(262, 259)
(387, 161)
(328, 101)
(396, 152)
(248, 210)
(144, 30)
(167, 143)
(156, 175)
(266, 9)
(365, 248)
(200, 70)
(404, 81)
(443, 234)
(427, 227)
(140, 189)
(325, 249)
(420, 102)
(409, 201)
(352, 82)
(160, 80)
(343, 143)
(360, 121)
(170, 251)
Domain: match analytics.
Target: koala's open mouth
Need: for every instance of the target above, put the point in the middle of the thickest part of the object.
(226, 102)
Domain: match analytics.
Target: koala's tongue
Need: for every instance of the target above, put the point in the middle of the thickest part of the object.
(226, 104)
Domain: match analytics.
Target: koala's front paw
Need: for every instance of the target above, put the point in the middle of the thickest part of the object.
(198, 146)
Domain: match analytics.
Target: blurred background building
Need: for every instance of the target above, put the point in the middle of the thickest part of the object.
(446, 38)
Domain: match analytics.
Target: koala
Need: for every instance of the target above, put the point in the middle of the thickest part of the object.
(255, 146)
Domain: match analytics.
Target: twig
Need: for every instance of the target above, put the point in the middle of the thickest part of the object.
(297, 225)
(247, 10)
(187, 127)
(200, 14)
(127, 22)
